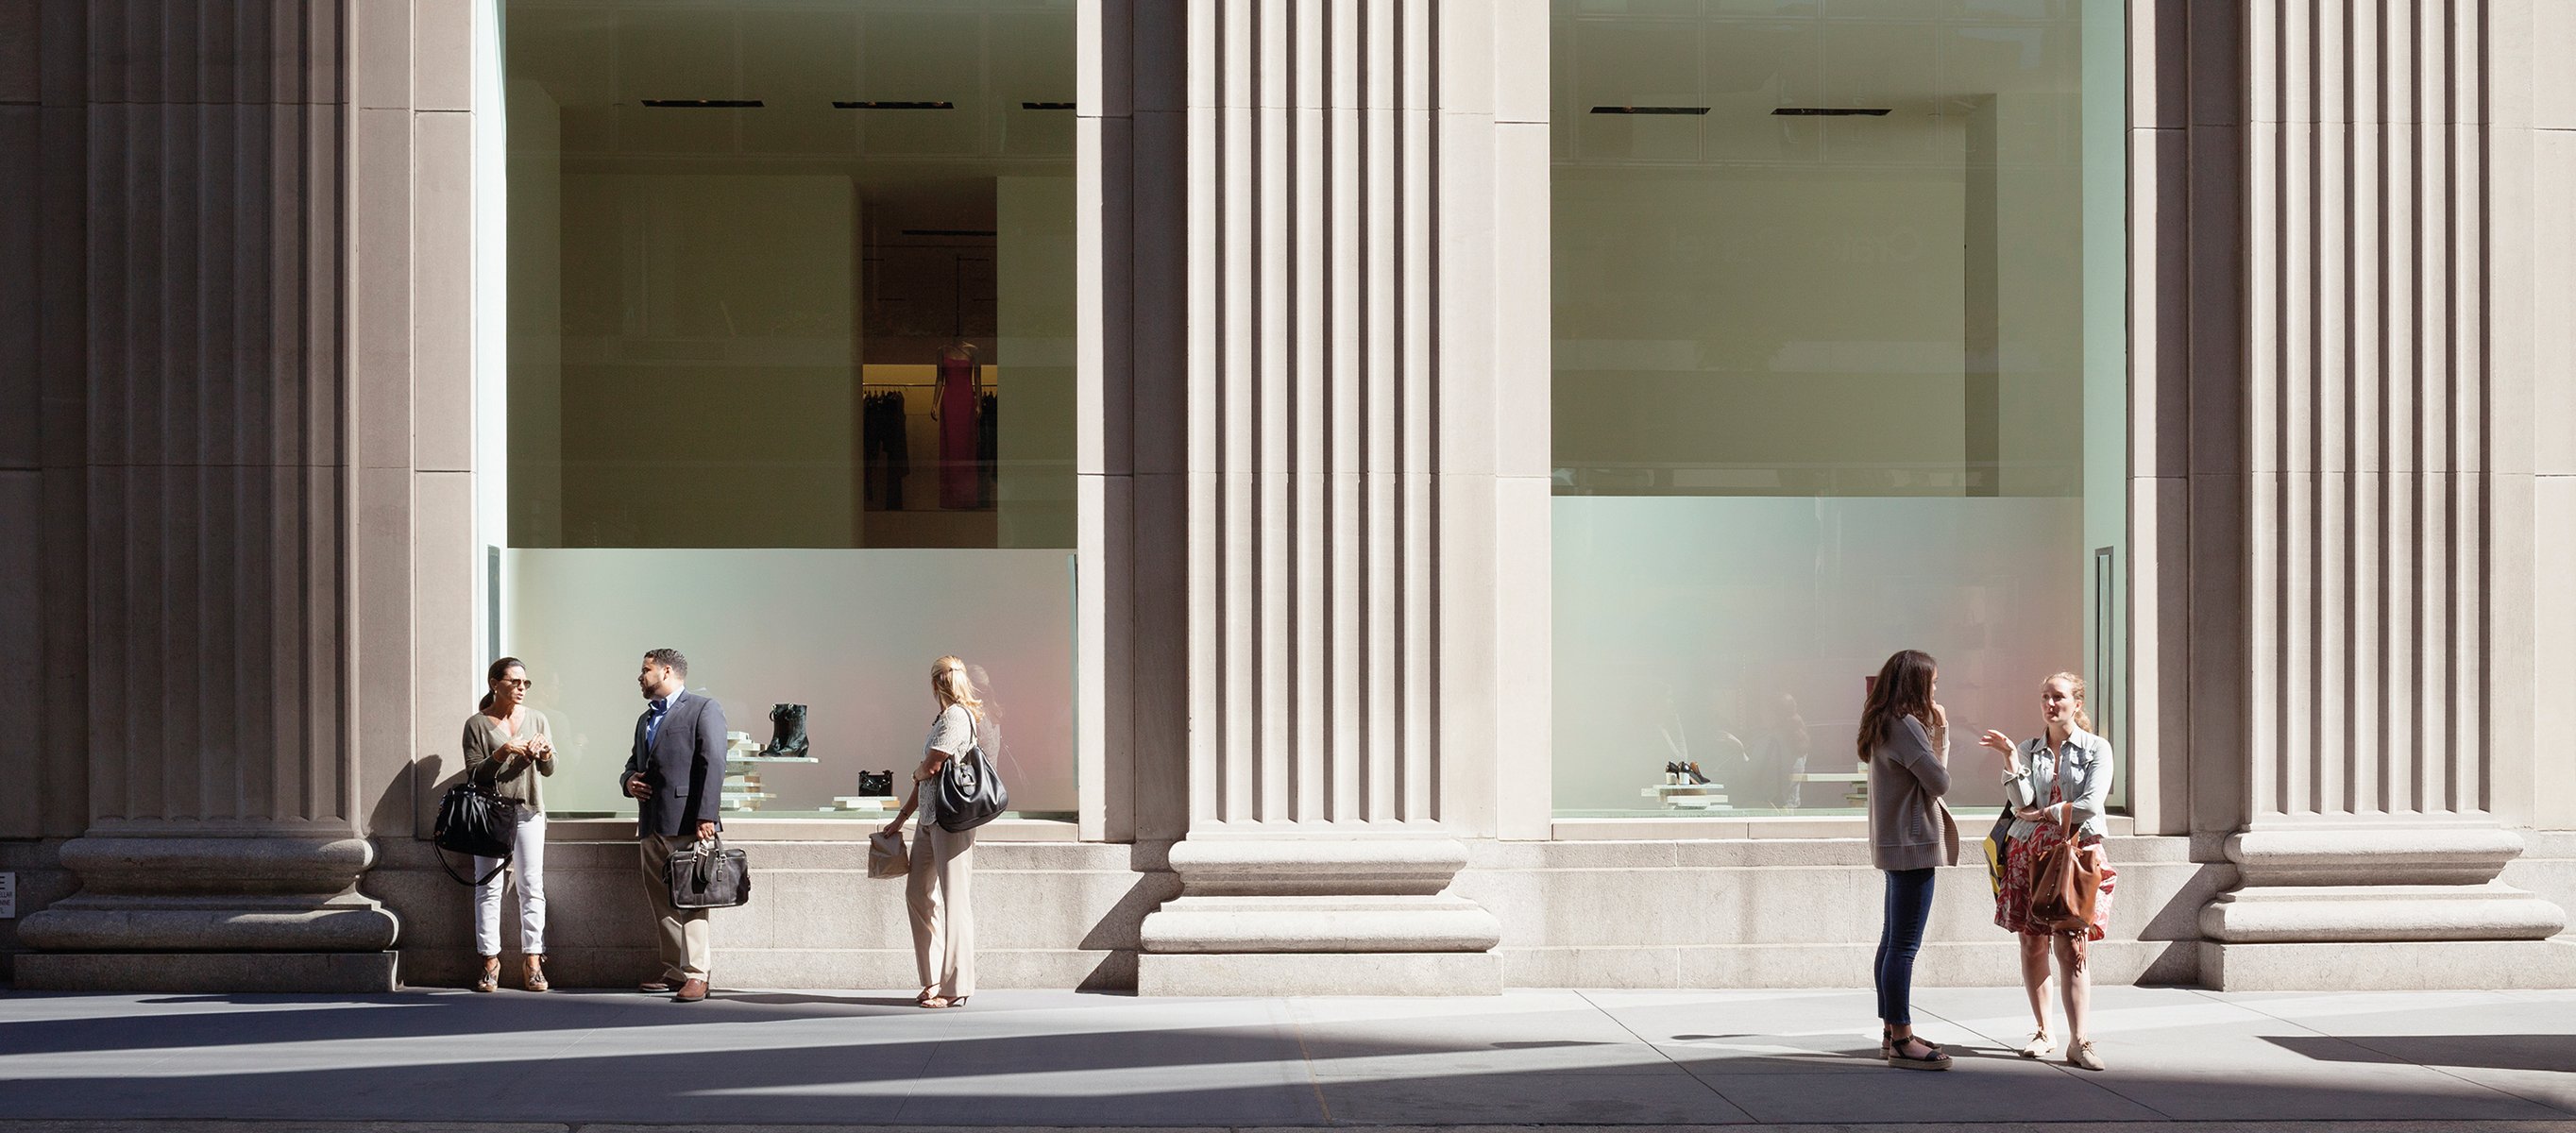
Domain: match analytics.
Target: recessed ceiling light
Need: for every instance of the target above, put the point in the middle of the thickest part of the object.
(883, 104)
(1046, 106)
(702, 103)
(1650, 110)
(1831, 111)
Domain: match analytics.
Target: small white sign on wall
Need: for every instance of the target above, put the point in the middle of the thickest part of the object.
(8, 896)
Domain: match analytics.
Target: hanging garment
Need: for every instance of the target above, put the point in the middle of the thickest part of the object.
(988, 445)
(883, 448)
(956, 391)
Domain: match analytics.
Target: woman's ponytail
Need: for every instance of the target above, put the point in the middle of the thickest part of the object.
(2075, 688)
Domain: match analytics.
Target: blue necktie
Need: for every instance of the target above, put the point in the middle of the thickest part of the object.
(653, 721)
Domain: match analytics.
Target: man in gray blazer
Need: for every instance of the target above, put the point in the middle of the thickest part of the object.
(675, 774)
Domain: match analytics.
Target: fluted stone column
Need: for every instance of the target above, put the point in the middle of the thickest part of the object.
(2388, 592)
(223, 842)
(1342, 493)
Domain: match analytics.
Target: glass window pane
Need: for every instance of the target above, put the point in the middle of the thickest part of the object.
(791, 377)
(1839, 370)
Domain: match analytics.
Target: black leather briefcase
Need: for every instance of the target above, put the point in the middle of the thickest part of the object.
(708, 876)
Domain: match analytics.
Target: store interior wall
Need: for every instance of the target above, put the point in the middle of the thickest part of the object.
(1035, 314)
(532, 399)
(708, 350)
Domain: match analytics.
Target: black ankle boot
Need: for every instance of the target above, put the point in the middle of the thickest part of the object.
(787, 732)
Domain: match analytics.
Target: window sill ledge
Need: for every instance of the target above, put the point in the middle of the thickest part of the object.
(1738, 829)
(748, 829)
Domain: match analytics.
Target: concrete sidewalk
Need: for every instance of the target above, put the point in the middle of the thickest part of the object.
(2180, 1059)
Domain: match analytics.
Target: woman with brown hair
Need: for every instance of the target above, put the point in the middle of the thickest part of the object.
(2058, 788)
(1904, 740)
(936, 893)
(508, 749)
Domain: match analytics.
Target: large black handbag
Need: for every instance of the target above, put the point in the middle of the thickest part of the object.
(970, 792)
(472, 819)
(708, 876)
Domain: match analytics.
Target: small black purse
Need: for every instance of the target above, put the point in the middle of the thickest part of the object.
(474, 820)
(876, 784)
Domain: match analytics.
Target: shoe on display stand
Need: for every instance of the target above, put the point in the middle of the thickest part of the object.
(787, 733)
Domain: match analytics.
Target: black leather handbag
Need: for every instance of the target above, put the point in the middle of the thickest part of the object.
(876, 784)
(970, 792)
(474, 820)
(708, 876)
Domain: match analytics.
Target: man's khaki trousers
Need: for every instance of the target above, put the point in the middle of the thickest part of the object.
(686, 955)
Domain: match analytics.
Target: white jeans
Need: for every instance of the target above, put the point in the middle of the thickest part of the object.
(528, 860)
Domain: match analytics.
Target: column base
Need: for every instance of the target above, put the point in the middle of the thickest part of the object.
(211, 973)
(1319, 973)
(2337, 914)
(1371, 923)
(153, 887)
(2417, 965)
(1318, 916)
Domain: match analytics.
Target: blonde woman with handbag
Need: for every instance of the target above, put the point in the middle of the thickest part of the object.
(2058, 788)
(936, 892)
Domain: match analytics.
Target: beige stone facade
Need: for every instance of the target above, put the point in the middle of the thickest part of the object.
(242, 351)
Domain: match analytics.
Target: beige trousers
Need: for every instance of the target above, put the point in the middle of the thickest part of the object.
(943, 915)
(686, 955)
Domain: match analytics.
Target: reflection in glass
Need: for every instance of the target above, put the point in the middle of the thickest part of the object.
(1839, 370)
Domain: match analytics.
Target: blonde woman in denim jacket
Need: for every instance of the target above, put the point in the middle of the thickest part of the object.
(2058, 787)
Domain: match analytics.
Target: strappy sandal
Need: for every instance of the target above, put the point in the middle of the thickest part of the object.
(1887, 1041)
(490, 979)
(1931, 1059)
(533, 976)
(934, 1002)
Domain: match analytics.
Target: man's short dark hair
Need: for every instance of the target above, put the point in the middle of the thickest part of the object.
(669, 659)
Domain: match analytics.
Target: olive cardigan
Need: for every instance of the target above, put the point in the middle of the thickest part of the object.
(508, 778)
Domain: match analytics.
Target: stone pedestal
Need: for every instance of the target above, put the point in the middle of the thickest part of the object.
(2380, 904)
(213, 907)
(1319, 917)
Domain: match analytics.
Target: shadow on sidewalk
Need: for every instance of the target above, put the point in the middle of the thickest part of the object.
(1053, 1060)
(2492, 1052)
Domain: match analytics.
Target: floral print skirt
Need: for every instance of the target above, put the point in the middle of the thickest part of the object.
(2021, 860)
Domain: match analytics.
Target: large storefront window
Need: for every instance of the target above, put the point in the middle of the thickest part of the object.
(1839, 369)
(790, 379)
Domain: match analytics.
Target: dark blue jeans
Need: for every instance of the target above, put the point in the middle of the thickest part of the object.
(1909, 905)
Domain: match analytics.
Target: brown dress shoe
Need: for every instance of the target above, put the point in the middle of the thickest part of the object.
(691, 992)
